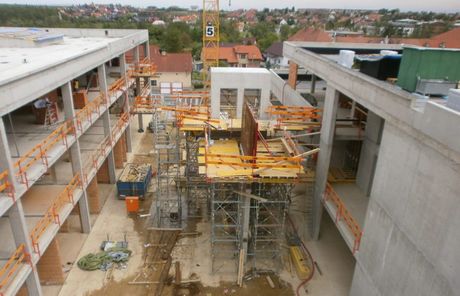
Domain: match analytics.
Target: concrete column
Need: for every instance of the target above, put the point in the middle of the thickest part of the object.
(264, 103)
(106, 121)
(138, 91)
(292, 78)
(50, 265)
(147, 49)
(16, 213)
(239, 102)
(324, 157)
(75, 156)
(353, 109)
(128, 102)
(93, 197)
(313, 83)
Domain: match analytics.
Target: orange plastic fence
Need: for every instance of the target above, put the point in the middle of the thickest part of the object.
(39, 152)
(5, 185)
(8, 271)
(52, 214)
(103, 147)
(343, 213)
(294, 113)
(59, 135)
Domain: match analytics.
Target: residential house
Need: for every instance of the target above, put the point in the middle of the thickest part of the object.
(172, 68)
(274, 56)
(242, 56)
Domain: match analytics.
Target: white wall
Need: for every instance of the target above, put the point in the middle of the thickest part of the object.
(240, 79)
(182, 77)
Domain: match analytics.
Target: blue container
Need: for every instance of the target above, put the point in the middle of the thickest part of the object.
(130, 185)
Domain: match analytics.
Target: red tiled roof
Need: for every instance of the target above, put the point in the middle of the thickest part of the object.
(252, 51)
(228, 54)
(172, 62)
(312, 35)
(449, 39)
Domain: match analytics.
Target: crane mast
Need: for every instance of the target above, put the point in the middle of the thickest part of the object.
(211, 37)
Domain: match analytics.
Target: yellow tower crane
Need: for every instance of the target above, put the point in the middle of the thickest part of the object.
(211, 38)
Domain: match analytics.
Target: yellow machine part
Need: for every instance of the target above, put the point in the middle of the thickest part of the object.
(300, 262)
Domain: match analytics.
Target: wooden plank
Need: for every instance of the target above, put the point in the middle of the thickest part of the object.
(261, 199)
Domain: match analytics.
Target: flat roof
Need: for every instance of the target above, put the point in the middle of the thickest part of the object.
(239, 70)
(16, 63)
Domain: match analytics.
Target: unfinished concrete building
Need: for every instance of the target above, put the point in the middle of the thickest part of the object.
(250, 176)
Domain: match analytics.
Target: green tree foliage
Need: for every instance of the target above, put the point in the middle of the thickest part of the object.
(265, 34)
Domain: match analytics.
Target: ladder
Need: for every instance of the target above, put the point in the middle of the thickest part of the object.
(51, 115)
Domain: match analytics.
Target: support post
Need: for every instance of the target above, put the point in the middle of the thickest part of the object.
(16, 212)
(324, 157)
(75, 156)
(246, 218)
(106, 122)
(128, 102)
(138, 91)
(313, 83)
(292, 78)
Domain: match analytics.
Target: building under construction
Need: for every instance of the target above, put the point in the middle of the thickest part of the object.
(344, 184)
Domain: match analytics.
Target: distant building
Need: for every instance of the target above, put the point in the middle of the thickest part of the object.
(449, 39)
(172, 68)
(274, 56)
(242, 56)
(159, 23)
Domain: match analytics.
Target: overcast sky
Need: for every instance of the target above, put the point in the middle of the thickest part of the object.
(439, 5)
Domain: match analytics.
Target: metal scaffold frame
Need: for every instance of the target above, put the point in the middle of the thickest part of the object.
(226, 225)
(167, 208)
(267, 224)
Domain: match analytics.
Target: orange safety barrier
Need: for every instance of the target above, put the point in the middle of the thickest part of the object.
(118, 85)
(39, 152)
(8, 270)
(52, 214)
(343, 213)
(124, 118)
(294, 113)
(5, 185)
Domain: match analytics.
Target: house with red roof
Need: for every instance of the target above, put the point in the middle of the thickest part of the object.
(242, 56)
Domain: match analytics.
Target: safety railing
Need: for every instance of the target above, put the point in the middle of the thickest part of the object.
(40, 151)
(143, 68)
(5, 185)
(116, 86)
(294, 114)
(119, 125)
(343, 214)
(52, 215)
(8, 271)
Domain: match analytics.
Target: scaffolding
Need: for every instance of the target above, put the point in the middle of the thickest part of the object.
(226, 225)
(267, 224)
(167, 209)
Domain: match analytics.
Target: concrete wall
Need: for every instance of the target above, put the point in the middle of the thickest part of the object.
(240, 79)
(411, 237)
(171, 77)
(369, 152)
(284, 93)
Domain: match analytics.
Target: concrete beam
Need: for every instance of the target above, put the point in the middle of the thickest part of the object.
(433, 125)
(284, 93)
(13, 94)
(324, 157)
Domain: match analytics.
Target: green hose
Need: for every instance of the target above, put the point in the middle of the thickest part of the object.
(96, 261)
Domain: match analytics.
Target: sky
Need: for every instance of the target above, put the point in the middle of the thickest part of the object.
(404, 5)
